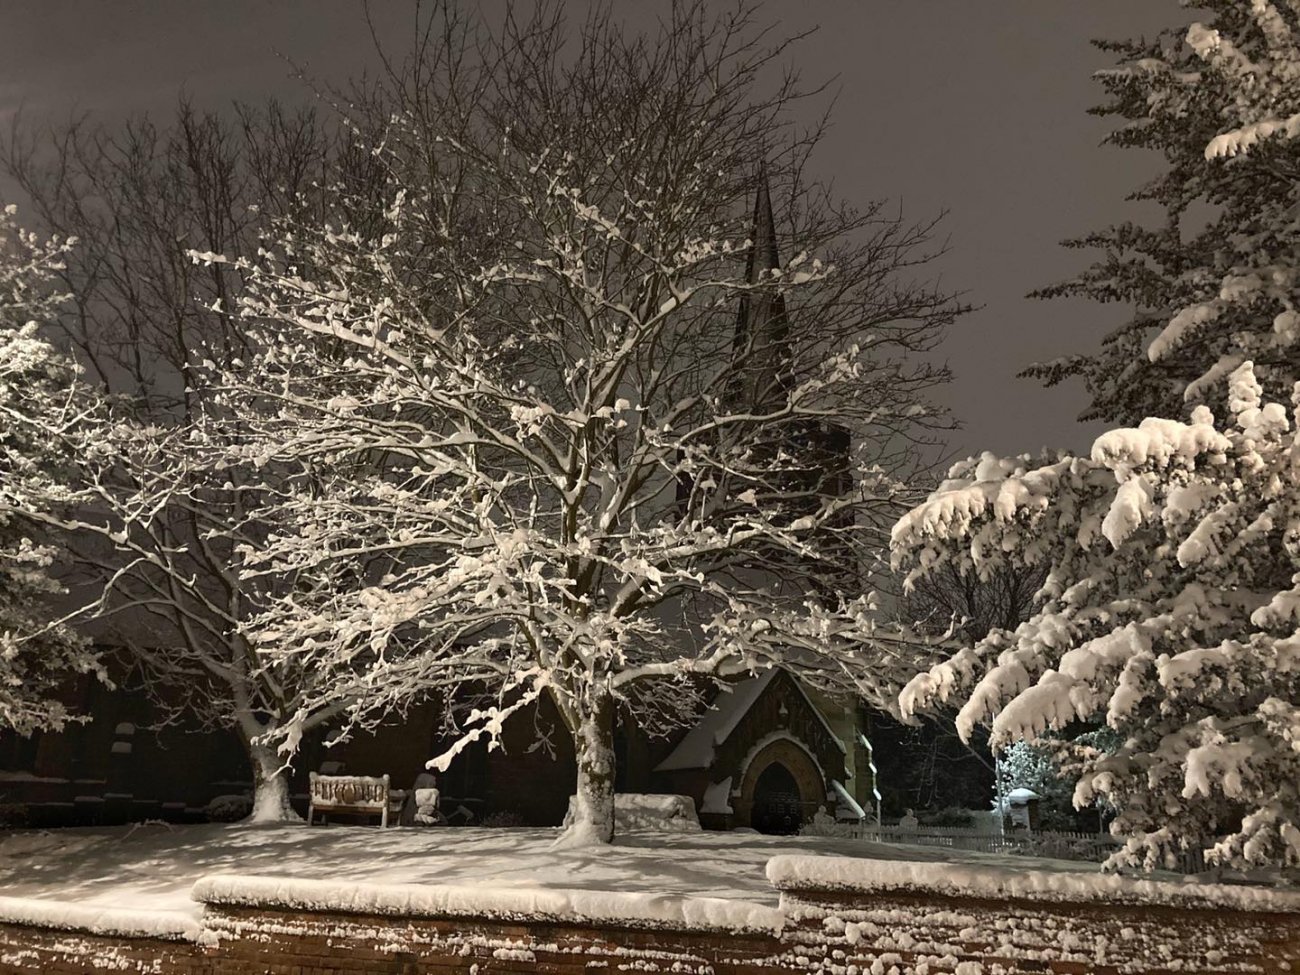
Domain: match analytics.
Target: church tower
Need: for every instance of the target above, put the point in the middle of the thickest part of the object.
(816, 452)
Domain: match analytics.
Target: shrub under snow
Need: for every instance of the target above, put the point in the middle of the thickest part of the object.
(229, 808)
(658, 813)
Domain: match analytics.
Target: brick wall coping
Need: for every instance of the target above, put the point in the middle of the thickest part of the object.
(633, 910)
(89, 919)
(829, 873)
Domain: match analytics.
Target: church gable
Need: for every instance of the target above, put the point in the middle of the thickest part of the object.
(781, 710)
(762, 756)
(751, 713)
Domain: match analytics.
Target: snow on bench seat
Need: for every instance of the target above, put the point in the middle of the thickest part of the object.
(91, 919)
(364, 795)
(417, 900)
(824, 873)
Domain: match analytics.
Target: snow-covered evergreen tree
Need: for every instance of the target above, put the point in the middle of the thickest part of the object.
(1025, 766)
(41, 405)
(1169, 612)
(571, 415)
(1260, 68)
(1195, 675)
(1212, 285)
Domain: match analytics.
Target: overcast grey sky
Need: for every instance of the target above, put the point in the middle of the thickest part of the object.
(974, 106)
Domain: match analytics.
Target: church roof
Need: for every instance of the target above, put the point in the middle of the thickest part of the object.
(716, 724)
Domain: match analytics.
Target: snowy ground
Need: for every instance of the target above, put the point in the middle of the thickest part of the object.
(153, 867)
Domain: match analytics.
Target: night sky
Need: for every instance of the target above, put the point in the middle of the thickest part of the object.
(974, 107)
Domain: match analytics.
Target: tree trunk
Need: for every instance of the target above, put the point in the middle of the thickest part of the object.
(591, 811)
(270, 787)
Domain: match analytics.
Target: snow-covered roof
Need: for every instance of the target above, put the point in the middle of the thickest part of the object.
(1022, 795)
(696, 750)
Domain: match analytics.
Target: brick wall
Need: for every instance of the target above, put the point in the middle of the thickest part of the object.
(287, 943)
(42, 951)
(255, 940)
(831, 932)
(920, 932)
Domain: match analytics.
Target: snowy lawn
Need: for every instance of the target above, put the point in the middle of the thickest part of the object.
(153, 867)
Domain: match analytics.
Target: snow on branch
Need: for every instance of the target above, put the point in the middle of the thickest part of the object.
(43, 408)
(1262, 71)
(1167, 614)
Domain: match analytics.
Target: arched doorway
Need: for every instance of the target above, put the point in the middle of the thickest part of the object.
(781, 787)
(777, 803)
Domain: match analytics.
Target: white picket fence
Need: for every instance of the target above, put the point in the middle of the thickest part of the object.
(1043, 843)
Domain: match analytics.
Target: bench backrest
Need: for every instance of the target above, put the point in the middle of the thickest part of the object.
(349, 791)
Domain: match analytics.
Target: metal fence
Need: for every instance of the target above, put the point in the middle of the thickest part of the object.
(1058, 845)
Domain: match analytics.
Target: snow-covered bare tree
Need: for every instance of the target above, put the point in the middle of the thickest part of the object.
(948, 599)
(159, 533)
(581, 417)
(1169, 613)
(41, 406)
(1212, 285)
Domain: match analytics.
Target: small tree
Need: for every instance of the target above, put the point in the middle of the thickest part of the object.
(41, 406)
(1168, 613)
(1047, 769)
(564, 422)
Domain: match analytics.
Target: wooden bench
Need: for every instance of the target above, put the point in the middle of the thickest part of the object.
(356, 795)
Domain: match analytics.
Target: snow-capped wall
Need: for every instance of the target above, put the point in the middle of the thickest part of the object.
(92, 919)
(836, 915)
(521, 904)
(803, 873)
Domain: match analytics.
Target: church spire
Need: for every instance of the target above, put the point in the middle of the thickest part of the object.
(763, 253)
(762, 329)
